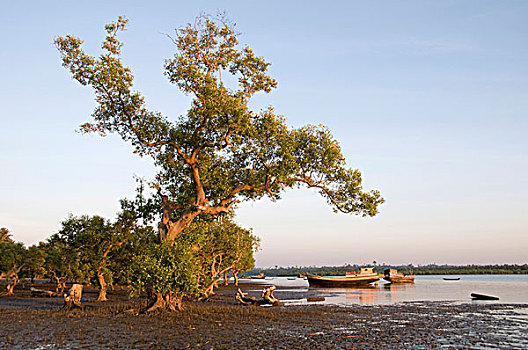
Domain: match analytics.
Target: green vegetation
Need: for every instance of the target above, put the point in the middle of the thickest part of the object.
(218, 154)
(13, 260)
(101, 252)
(168, 272)
(5, 236)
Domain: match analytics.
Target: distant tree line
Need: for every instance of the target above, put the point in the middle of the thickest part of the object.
(432, 269)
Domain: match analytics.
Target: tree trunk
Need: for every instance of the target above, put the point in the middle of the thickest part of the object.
(60, 285)
(11, 286)
(168, 302)
(73, 298)
(226, 279)
(57, 280)
(235, 276)
(102, 287)
(208, 291)
(176, 227)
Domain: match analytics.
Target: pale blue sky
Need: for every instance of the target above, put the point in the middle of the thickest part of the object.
(428, 98)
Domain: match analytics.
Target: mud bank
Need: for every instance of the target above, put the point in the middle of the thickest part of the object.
(36, 323)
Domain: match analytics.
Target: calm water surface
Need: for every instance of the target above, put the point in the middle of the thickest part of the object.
(509, 288)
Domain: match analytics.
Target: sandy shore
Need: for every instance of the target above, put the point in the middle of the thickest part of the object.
(36, 323)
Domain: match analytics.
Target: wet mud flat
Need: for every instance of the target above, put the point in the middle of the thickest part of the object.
(220, 323)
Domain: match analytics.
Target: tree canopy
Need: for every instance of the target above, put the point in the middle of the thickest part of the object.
(13, 259)
(5, 235)
(220, 152)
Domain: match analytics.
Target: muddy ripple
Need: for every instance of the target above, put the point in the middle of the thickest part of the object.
(36, 323)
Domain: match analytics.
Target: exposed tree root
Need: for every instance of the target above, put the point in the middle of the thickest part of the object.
(267, 298)
(169, 302)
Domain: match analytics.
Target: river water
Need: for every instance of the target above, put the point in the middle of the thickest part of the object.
(511, 289)
(493, 326)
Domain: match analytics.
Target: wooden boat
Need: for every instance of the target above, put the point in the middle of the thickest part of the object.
(393, 276)
(315, 299)
(477, 296)
(364, 277)
(260, 276)
(451, 278)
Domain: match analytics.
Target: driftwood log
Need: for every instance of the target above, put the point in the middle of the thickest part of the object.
(267, 298)
(72, 300)
(35, 292)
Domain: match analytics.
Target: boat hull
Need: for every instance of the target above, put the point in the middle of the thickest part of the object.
(400, 279)
(477, 296)
(340, 282)
(393, 276)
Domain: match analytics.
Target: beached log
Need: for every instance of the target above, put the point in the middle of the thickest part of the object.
(267, 298)
(35, 292)
(242, 298)
(267, 294)
(73, 298)
(312, 299)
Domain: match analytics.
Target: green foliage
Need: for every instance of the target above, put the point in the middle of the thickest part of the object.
(215, 156)
(96, 249)
(5, 236)
(220, 246)
(141, 239)
(34, 262)
(220, 152)
(191, 265)
(470, 269)
(12, 257)
(61, 262)
(84, 240)
(166, 268)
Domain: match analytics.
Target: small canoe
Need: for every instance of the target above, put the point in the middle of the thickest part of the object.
(477, 296)
(312, 299)
(451, 279)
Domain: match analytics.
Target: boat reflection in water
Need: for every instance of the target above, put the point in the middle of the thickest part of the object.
(394, 292)
(363, 295)
(375, 294)
(367, 295)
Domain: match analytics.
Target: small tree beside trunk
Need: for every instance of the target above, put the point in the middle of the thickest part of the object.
(13, 258)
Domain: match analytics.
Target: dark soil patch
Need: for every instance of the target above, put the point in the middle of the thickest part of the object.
(220, 323)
